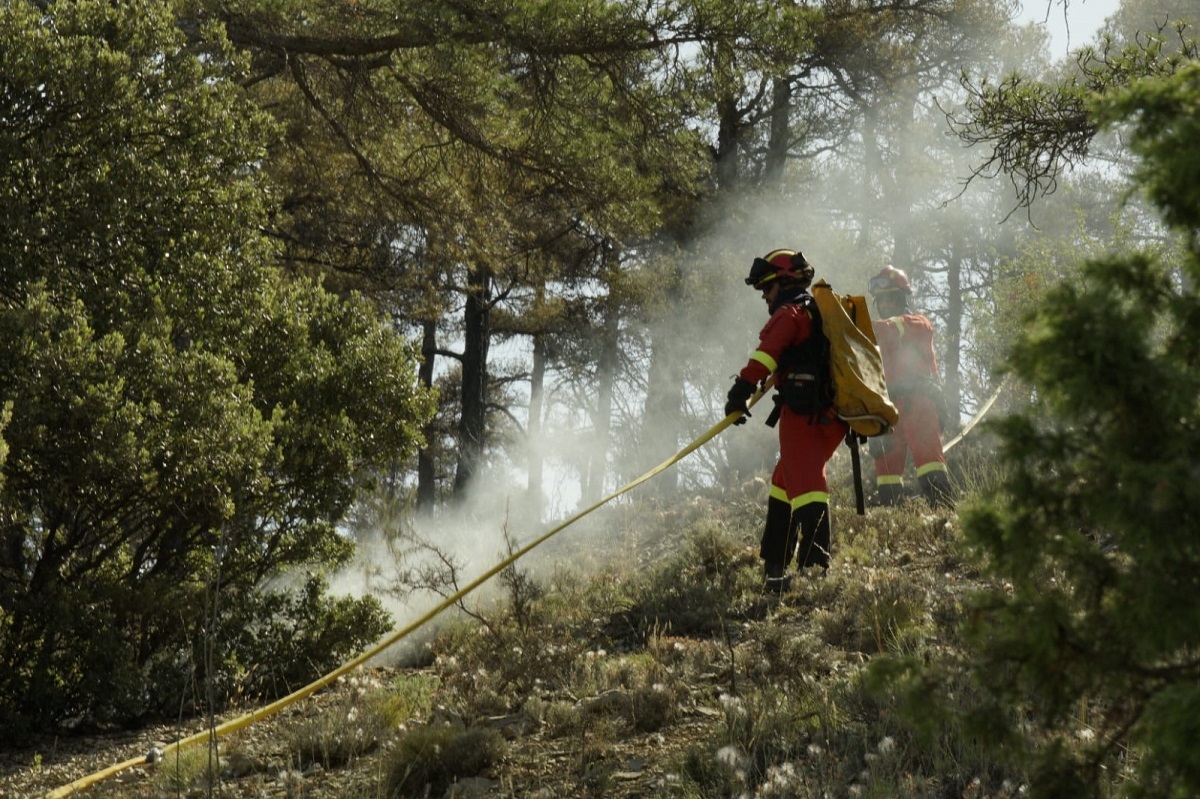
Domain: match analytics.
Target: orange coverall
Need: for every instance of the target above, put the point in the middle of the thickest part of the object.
(910, 365)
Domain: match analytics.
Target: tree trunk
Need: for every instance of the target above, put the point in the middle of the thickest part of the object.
(780, 138)
(869, 200)
(472, 428)
(898, 195)
(426, 471)
(537, 387)
(952, 340)
(729, 126)
(663, 415)
(606, 376)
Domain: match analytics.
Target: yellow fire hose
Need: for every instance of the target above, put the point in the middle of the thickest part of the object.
(267, 710)
(979, 414)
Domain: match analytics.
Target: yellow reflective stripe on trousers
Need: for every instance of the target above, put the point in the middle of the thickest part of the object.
(764, 359)
(802, 500)
(810, 498)
(889, 480)
(935, 466)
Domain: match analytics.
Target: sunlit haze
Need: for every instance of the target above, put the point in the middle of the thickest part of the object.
(1071, 25)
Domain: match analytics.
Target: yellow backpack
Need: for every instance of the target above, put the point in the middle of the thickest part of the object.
(860, 395)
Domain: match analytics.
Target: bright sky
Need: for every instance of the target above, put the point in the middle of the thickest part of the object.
(1083, 18)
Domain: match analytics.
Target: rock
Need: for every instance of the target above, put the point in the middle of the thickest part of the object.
(470, 788)
(511, 726)
(614, 701)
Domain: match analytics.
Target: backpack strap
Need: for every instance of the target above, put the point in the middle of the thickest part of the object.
(806, 383)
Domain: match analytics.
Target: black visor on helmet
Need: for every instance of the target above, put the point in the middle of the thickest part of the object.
(760, 272)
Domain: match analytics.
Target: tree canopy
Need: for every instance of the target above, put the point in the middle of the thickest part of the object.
(182, 420)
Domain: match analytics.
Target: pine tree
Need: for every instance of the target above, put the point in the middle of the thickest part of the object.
(1096, 532)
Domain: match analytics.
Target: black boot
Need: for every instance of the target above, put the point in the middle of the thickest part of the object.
(935, 487)
(815, 535)
(889, 494)
(778, 543)
(775, 580)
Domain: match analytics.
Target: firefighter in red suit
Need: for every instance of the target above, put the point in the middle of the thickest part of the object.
(906, 344)
(809, 431)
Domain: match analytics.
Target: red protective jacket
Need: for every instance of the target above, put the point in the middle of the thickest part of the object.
(906, 344)
(790, 325)
(805, 444)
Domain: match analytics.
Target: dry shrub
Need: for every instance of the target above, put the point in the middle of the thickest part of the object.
(880, 614)
(764, 732)
(691, 592)
(653, 707)
(562, 719)
(348, 729)
(530, 641)
(776, 655)
(427, 760)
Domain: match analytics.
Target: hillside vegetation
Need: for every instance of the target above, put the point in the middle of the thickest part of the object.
(647, 663)
(278, 279)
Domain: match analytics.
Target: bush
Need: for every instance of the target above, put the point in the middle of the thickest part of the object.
(349, 729)
(278, 641)
(880, 615)
(428, 760)
(692, 592)
(183, 422)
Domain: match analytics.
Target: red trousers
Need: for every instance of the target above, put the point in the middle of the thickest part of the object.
(804, 449)
(798, 507)
(919, 432)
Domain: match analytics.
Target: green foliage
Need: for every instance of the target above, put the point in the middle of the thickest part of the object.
(277, 641)
(187, 772)
(1163, 113)
(413, 695)
(184, 423)
(1096, 635)
(1036, 129)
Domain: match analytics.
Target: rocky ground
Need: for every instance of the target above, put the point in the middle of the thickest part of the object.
(255, 761)
(258, 769)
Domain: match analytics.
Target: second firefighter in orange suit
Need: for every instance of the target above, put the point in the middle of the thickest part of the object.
(798, 522)
(906, 344)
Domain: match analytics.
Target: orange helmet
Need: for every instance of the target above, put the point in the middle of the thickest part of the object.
(779, 263)
(889, 279)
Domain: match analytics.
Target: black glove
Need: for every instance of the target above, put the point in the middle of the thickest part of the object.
(737, 398)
